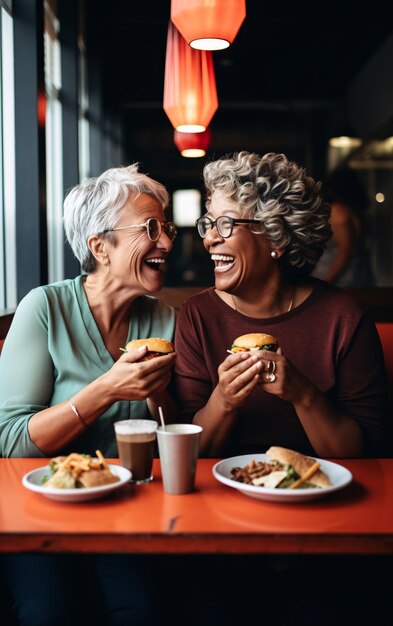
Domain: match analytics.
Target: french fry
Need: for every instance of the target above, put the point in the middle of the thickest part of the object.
(310, 472)
(78, 463)
(101, 458)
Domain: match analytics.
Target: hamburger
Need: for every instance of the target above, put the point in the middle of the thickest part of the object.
(286, 469)
(156, 347)
(254, 341)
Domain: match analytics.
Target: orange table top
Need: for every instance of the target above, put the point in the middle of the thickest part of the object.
(213, 519)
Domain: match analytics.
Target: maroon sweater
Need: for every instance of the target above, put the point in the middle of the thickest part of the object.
(330, 338)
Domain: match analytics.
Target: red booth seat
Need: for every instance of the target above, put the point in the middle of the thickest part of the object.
(385, 331)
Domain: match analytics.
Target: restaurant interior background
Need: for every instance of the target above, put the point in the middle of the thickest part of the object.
(82, 90)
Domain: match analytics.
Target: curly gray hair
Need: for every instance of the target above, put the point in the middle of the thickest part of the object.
(95, 206)
(282, 196)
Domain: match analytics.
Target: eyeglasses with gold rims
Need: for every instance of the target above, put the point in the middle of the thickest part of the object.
(224, 225)
(153, 228)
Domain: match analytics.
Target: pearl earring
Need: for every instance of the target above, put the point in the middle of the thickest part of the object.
(274, 254)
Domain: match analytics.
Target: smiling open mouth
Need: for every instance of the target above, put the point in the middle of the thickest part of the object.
(155, 263)
(222, 262)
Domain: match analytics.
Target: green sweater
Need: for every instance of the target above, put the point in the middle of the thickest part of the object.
(53, 349)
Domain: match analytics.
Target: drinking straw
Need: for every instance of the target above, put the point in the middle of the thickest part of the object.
(161, 417)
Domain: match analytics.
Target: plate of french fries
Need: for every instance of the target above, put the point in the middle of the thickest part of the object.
(77, 478)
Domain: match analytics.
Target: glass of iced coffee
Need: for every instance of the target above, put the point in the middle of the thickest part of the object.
(136, 440)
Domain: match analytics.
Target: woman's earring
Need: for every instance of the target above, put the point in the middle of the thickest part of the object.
(274, 254)
(106, 269)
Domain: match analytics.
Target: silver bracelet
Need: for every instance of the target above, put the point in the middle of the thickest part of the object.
(73, 407)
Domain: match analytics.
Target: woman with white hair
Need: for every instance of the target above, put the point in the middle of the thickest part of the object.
(73, 381)
(64, 380)
(323, 392)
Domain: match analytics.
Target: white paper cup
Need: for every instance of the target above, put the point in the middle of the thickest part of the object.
(136, 440)
(178, 447)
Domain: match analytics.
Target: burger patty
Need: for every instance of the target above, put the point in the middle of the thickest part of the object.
(153, 355)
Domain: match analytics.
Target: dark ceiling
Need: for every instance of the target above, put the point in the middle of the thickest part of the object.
(281, 84)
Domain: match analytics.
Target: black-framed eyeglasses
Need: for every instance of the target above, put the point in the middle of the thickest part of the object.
(224, 225)
(153, 228)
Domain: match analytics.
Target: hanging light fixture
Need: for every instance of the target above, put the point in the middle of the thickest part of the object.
(342, 133)
(190, 93)
(208, 24)
(345, 141)
(192, 145)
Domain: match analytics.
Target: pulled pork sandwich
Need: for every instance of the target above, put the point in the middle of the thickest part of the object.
(254, 341)
(156, 347)
(286, 469)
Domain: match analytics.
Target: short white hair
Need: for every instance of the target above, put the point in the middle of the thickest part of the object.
(94, 206)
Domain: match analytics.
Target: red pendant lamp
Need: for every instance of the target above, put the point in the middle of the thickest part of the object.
(208, 24)
(190, 93)
(192, 145)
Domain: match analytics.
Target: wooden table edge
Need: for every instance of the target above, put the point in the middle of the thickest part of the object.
(197, 544)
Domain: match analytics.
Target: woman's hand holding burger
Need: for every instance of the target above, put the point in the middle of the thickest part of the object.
(289, 384)
(143, 370)
(278, 376)
(238, 375)
(255, 343)
(248, 365)
(244, 369)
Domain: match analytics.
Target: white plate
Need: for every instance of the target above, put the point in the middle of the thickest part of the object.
(339, 476)
(32, 480)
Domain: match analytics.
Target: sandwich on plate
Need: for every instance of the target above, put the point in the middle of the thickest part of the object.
(286, 469)
(78, 471)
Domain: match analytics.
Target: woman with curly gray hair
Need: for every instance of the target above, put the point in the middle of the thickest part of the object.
(322, 392)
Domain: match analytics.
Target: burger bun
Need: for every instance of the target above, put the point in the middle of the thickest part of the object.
(255, 341)
(154, 344)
